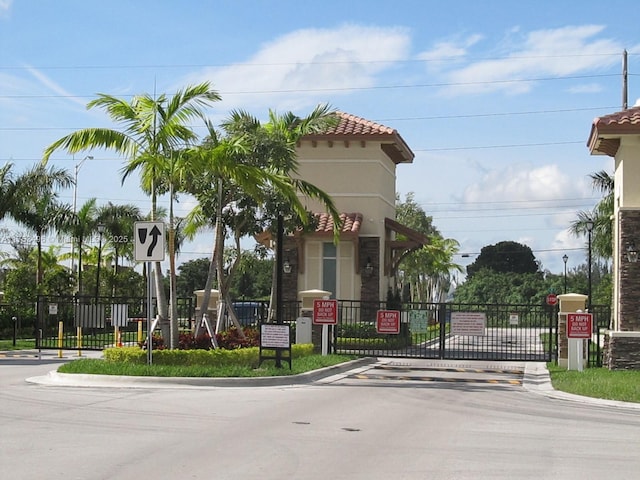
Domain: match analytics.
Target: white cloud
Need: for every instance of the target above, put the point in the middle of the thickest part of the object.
(5, 6)
(555, 52)
(294, 69)
(518, 183)
(586, 88)
(450, 50)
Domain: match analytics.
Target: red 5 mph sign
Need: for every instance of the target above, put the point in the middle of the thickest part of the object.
(325, 312)
(388, 321)
(579, 325)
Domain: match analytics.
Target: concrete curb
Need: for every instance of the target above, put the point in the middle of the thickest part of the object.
(54, 378)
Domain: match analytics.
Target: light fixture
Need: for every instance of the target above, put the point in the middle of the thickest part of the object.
(632, 252)
(368, 269)
(286, 266)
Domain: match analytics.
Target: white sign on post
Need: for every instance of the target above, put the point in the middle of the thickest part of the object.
(149, 241)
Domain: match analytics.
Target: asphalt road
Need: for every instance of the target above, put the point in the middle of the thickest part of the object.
(391, 420)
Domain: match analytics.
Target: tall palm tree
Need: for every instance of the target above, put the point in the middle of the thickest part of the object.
(119, 221)
(81, 225)
(38, 207)
(252, 163)
(8, 190)
(153, 129)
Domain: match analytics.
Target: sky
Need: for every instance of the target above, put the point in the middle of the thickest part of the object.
(495, 98)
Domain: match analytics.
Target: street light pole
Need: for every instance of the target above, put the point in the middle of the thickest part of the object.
(100, 232)
(564, 259)
(589, 226)
(75, 201)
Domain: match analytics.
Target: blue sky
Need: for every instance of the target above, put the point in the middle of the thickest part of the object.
(496, 98)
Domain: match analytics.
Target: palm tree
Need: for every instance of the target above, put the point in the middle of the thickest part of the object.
(118, 221)
(8, 190)
(599, 217)
(38, 208)
(250, 166)
(81, 225)
(154, 129)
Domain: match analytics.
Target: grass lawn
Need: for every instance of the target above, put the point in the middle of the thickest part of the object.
(597, 383)
(21, 344)
(267, 369)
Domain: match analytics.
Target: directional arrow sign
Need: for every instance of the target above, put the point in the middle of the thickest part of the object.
(149, 241)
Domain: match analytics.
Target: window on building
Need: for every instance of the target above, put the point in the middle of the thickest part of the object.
(329, 268)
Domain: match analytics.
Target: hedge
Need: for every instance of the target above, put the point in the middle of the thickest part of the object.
(218, 357)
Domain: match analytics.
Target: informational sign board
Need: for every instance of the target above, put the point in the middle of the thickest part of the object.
(149, 241)
(388, 321)
(325, 312)
(513, 319)
(274, 336)
(472, 324)
(53, 309)
(579, 325)
(418, 321)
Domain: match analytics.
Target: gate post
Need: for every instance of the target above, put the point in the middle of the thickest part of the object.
(442, 319)
(569, 303)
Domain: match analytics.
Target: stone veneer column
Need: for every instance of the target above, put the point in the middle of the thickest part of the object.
(290, 280)
(369, 248)
(623, 343)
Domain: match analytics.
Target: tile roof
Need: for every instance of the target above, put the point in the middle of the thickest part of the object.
(606, 131)
(352, 127)
(351, 223)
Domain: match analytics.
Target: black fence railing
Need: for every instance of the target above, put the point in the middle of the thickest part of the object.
(509, 332)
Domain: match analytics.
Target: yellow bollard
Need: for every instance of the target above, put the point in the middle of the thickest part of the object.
(79, 334)
(116, 337)
(139, 332)
(60, 335)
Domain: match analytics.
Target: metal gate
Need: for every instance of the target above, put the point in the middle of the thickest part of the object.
(450, 331)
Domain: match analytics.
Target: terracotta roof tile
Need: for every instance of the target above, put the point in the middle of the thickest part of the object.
(352, 127)
(604, 137)
(351, 223)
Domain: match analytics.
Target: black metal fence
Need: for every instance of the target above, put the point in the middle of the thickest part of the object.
(82, 323)
(425, 330)
(450, 331)
(601, 323)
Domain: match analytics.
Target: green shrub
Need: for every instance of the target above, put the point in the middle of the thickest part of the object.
(219, 357)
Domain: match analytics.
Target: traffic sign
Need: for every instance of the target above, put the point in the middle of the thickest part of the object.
(325, 312)
(149, 241)
(552, 299)
(388, 321)
(579, 325)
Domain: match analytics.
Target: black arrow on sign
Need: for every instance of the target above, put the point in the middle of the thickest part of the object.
(154, 233)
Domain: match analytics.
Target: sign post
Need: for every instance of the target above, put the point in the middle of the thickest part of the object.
(149, 246)
(325, 313)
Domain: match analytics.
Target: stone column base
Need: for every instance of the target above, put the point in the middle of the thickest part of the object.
(623, 350)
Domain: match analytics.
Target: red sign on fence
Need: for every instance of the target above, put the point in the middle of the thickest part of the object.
(579, 325)
(388, 321)
(325, 312)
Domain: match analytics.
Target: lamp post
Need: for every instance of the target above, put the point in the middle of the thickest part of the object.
(564, 259)
(589, 226)
(100, 232)
(75, 201)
